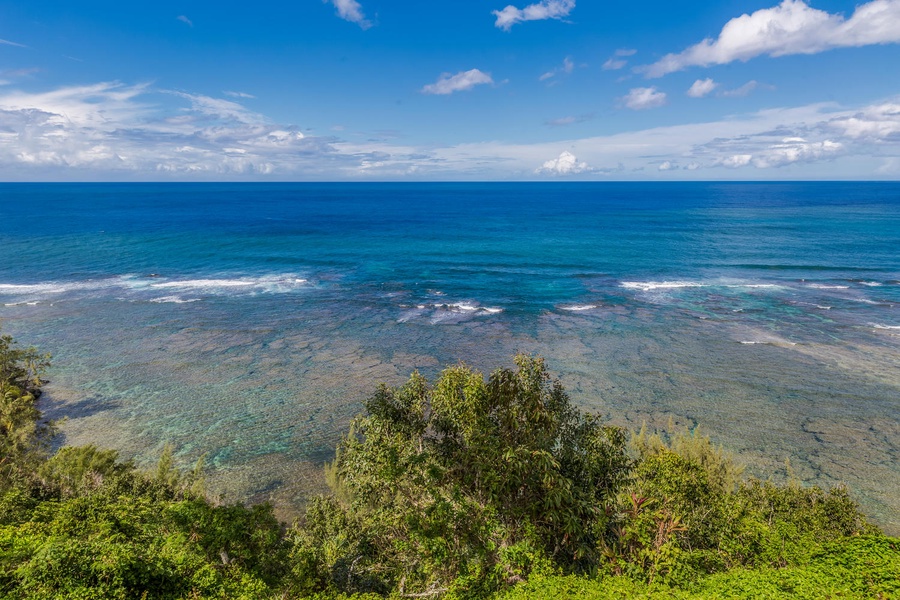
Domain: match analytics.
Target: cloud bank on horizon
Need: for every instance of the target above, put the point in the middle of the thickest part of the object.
(529, 103)
(118, 130)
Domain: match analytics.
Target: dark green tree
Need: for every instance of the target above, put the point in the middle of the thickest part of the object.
(469, 484)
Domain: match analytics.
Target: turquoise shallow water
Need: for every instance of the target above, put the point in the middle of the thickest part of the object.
(249, 321)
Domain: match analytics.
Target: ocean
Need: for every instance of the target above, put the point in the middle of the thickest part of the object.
(247, 322)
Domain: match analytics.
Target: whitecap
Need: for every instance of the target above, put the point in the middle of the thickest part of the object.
(578, 307)
(174, 300)
(880, 326)
(276, 283)
(649, 286)
(205, 283)
(822, 286)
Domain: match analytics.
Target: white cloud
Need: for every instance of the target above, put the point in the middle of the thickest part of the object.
(108, 128)
(617, 61)
(567, 67)
(792, 150)
(792, 27)
(644, 98)
(224, 110)
(546, 9)
(239, 95)
(785, 152)
(351, 10)
(462, 81)
(741, 91)
(9, 43)
(116, 131)
(565, 164)
(879, 123)
(185, 20)
(702, 87)
(568, 120)
(736, 161)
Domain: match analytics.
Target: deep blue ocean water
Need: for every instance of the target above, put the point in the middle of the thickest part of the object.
(248, 321)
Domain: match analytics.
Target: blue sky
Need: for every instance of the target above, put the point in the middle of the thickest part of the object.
(350, 90)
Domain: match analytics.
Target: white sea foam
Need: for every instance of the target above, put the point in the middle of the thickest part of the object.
(578, 307)
(450, 311)
(649, 286)
(204, 283)
(467, 307)
(52, 287)
(768, 342)
(822, 286)
(880, 326)
(264, 284)
(871, 283)
(867, 301)
(174, 300)
(275, 283)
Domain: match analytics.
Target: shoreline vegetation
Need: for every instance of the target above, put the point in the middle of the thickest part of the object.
(468, 487)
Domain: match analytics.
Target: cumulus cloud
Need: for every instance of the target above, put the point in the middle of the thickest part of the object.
(351, 10)
(460, 82)
(792, 27)
(546, 9)
(792, 150)
(785, 152)
(185, 20)
(643, 98)
(564, 164)
(879, 123)
(665, 165)
(736, 161)
(702, 87)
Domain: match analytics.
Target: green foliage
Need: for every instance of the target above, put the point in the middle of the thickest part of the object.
(73, 470)
(685, 513)
(127, 535)
(469, 485)
(469, 488)
(862, 567)
(24, 436)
